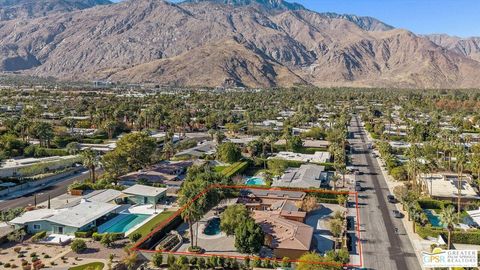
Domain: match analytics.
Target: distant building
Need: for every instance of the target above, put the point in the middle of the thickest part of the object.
(317, 157)
(18, 167)
(199, 151)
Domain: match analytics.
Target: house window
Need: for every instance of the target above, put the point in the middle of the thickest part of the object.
(37, 227)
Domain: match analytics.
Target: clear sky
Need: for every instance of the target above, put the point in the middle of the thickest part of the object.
(453, 17)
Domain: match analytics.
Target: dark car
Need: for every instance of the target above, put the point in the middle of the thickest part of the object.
(391, 199)
(358, 186)
(397, 214)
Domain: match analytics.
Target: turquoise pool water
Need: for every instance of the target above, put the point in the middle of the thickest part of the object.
(122, 223)
(255, 181)
(213, 227)
(433, 218)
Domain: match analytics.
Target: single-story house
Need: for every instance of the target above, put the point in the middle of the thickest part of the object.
(162, 173)
(199, 151)
(141, 194)
(307, 176)
(67, 221)
(317, 157)
(286, 237)
(445, 186)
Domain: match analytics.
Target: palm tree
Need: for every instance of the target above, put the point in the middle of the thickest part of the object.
(447, 217)
(90, 161)
(193, 206)
(460, 162)
(335, 179)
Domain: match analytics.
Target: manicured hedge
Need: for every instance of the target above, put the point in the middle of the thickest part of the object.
(458, 236)
(115, 236)
(433, 204)
(235, 169)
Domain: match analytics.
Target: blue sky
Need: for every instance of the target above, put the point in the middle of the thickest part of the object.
(453, 17)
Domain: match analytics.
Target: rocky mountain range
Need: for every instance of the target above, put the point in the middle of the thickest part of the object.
(25, 9)
(254, 43)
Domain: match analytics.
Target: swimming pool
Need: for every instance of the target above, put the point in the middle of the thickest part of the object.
(213, 227)
(255, 181)
(433, 218)
(122, 223)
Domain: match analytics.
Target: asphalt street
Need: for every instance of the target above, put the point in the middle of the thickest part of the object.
(382, 247)
(57, 189)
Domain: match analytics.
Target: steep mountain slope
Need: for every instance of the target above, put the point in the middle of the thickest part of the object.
(466, 46)
(364, 22)
(25, 9)
(203, 42)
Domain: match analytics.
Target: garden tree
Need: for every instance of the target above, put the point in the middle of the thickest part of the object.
(219, 137)
(413, 165)
(90, 161)
(17, 236)
(335, 178)
(447, 217)
(73, 148)
(110, 126)
(138, 149)
(232, 127)
(134, 237)
(168, 150)
(78, 245)
(255, 148)
(194, 202)
(130, 260)
(229, 152)
(336, 228)
(475, 160)
(171, 260)
(294, 143)
(249, 237)
(11, 146)
(107, 240)
(286, 262)
(42, 131)
(22, 127)
(232, 217)
(271, 139)
(308, 204)
(341, 256)
(115, 164)
(399, 173)
(277, 166)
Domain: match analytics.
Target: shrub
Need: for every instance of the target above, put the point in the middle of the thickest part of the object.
(157, 259)
(78, 245)
(17, 249)
(433, 204)
(39, 236)
(83, 234)
(134, 237)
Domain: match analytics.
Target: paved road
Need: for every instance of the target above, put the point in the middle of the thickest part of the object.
(54, 190)
(382, 247)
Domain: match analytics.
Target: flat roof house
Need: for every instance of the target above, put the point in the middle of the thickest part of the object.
(67, 221)
(317, 157)
(445, 186)
(307, 176)
(141, 194)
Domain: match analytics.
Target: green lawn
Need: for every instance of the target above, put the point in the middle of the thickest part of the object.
(153, 223)
(220, 168)
(93, 266)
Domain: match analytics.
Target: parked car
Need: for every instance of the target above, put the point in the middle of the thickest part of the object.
(391, 199)
(358, 186)
(397, 214)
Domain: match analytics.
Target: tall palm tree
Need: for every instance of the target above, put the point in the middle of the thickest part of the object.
(460, 162)
(90, 161)
(447, 217)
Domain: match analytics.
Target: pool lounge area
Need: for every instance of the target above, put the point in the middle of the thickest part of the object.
(255, 181)
(122, 223)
